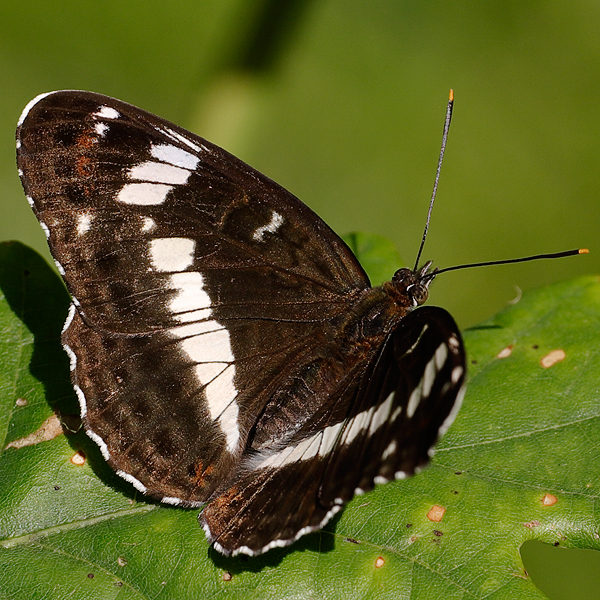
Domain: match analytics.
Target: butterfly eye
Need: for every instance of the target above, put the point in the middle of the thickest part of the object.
(409, 285)
(419, 293)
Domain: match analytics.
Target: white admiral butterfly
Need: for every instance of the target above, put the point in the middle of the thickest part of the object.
(226, 346)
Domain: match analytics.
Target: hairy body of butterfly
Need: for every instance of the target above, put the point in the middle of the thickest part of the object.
(226, 346)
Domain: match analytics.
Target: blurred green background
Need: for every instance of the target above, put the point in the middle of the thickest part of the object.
(343, 102)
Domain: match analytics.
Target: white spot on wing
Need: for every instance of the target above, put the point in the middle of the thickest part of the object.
(191, 298)
(305, 450)
(172, 254)
(391, 448)
(423, 390)
(207, 343)
(323, 442)
(396, 414)
(229, 423)
(144, 194)
(30, 105)
(84, 222)
(69, 318)
(381, 414)
(414, 399)
(194, 328)
(418, 339)
(148, 224)
(213, 346)
(103, 447)
(450, 418)
(220, 394)
(193, 315)
(428, 378)
(136, 483)
(159, 172)
(71, 355)
(101, 128)
(82, 403)
(279, 543)
(177, 136)
(357, 424)
(206, 372)
(45, 228)
(453, 342)
(330, 437)
(271, 227)
(456, 374)
(59, 267)
(441, 354)
(171, 500)
(107, 112)
(175, 156)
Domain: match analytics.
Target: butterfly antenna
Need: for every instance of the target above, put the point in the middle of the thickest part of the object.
(437, 174)
(511, 260)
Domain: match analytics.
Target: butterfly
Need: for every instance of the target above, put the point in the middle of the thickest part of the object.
(226, 346)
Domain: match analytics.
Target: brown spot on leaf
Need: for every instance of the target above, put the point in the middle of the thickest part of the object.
(549, 500)
(552, 358)
(438, 533)
(49, 429)
(379, 562)
(531, 524)
(227, 576)
(78, 458)
(21, 402)
(505, 352)
(436, 513)
(121, 561)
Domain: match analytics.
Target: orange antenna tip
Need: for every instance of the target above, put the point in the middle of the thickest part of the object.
(451, 96)
(583, 251)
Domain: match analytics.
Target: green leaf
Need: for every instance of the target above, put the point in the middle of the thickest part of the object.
(378, 256)
(525, 432)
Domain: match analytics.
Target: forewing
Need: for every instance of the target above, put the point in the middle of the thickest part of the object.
(195, 281)
(381, 424)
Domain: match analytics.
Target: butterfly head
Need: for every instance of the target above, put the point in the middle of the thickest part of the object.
(411, 288)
